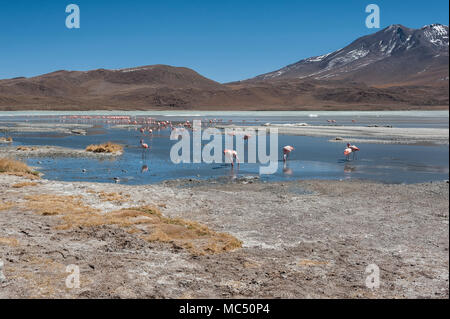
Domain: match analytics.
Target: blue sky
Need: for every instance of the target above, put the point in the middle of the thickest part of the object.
(223, 40)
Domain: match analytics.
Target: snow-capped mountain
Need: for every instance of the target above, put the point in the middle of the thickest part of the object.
(395, 54)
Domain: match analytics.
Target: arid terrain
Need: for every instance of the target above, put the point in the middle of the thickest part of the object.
(106, 90)
(303, 239)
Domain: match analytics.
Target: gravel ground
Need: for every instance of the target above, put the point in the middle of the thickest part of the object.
(303, 239)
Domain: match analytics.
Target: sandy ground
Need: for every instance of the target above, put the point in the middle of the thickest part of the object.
(386, 135)
(304, 239)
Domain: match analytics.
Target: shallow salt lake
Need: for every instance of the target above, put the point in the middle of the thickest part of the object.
(314, 158)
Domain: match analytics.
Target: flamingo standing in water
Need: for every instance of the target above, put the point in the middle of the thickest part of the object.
(286, 151)
(347, 152)
(144, 145)
(354, 149)
(232, 155)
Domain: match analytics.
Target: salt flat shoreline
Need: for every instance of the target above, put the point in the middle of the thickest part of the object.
(52, 152)
(302, 239)
(381, 135)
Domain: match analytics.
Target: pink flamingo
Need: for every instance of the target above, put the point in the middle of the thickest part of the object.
(354, 149)
(347, 152)
(232, 155)
(144, 145)
(286, 151)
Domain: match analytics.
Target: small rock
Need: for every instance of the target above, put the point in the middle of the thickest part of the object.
(78, 132)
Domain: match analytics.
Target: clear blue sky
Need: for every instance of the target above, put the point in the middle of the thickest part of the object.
(223, 40)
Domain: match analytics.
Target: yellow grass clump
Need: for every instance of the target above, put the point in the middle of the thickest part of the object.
(113, 197)
(12, 242)
(5, 206)
(50, 205)
(24, 184)
(148, 222)
(6, 139)
(308, 262)
(14, 167)
(26, 148)
(105, 148)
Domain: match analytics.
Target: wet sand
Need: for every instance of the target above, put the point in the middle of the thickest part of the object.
(302, 239)
(382, 135)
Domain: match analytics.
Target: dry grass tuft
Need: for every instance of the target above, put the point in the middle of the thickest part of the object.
(145, 221)
(5, 206)
(24, 184)
(26, 148)
(308, 262)
(6, 140)
(13, 167)
(113, 197)
(105, 148)
(50, 205)
(12, 242)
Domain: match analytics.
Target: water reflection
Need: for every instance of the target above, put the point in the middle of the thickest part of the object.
(348, 168)
(233, 173)
(287, 170)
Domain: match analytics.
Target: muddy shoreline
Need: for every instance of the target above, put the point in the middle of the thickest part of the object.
(302, 239)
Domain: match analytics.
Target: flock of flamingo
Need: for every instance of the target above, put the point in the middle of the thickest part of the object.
(148, 125)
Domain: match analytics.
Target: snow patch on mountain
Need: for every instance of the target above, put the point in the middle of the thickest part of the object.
(349, 57)
(318, 58)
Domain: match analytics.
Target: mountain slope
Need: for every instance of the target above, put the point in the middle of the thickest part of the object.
(395, 55)
(152, 85)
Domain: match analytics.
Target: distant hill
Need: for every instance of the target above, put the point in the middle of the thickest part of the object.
(395, 68)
